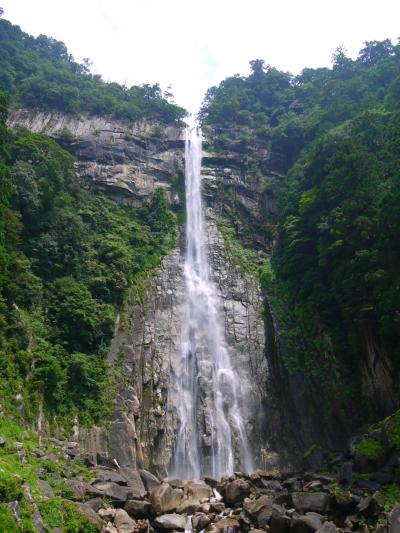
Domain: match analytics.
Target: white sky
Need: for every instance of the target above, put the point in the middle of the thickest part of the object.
(195, 44)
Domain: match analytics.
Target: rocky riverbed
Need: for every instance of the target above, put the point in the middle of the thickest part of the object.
(353, 491)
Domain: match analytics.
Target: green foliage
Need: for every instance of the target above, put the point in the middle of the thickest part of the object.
(391, 494)
(65, 515)
(370, 448)
(394, 430)
(333, 135)
(244, 258)
(40, 72)
(69, 257)
(15, 476)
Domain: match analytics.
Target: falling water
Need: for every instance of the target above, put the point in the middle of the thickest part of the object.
(214, 442)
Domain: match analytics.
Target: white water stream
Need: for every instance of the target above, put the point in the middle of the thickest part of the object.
(211, 440)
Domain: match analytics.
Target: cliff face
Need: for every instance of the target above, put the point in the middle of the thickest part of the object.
(143, 428)
(126, 160)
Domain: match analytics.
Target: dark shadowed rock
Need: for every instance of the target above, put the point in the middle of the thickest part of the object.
(259, 510)
(236, 491)
(328, 527)
(138, 508)
(346, 474)
(150, 481)
(165, 499)
(371, 506)
(317, 502)
(279, 522)
(171, 521)
(304, 524)
(211, 481)
(313, 460)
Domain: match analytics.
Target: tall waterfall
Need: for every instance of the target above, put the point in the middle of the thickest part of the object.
(211, 440)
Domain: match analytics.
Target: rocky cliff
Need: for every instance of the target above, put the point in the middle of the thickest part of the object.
(126, 160)
(143, 428)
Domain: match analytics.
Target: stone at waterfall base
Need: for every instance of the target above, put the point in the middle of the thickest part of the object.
(171, 521)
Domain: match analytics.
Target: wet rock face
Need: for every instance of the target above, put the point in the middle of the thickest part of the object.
(144, 425)
(127, 160)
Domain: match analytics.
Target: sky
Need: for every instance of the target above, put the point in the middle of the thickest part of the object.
(193, 45)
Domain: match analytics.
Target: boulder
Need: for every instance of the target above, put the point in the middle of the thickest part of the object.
(165, 499)
(188, 506)
(113, 491)
(111, 476)
(107, 514)
(371, 506)
(317, 502)
(45, 489)
(123, 522)
(138, 508)
(95, 504)
(394, 520)
(80, 489)
(236, 491)
(134, 482)
(200, 521)
(217, 507)
(150, 481)
(171, 521)
(199, 490)
(259, 510)
(211, 481)
(279, 521)
(305, 524)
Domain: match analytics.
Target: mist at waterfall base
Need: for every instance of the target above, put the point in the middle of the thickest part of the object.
(217, 444)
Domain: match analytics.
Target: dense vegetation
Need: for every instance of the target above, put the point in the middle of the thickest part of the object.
(334, 137)
(67, 257)
(40, 72)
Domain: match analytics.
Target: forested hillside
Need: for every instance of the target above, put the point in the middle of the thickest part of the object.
(67, 255)
(40, 72)
(333, 137)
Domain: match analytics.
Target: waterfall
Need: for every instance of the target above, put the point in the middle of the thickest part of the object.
(211, 437)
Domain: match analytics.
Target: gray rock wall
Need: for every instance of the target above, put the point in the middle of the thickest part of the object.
(127, 160)
(146, 349)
